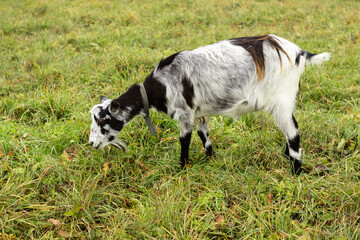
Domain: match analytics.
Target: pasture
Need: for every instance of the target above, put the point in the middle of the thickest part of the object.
(58, 57)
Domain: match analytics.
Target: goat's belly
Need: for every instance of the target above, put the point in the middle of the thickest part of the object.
(239, 109)
(234, 111)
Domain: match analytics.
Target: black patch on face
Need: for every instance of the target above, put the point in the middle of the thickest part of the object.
(110, 138)
(102, 121)
(156, 93)
(97, 119)
(255, 46)
(167, 61)
(188, 91)
(116, 124)
(102, 113)
(103, 131)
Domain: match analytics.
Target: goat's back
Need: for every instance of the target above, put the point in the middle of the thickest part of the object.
(224, 77)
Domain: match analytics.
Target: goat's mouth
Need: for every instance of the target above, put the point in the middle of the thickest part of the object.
(93, 145)
(116, 143)
(119, 144)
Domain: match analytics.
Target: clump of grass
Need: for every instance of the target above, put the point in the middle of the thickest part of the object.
(58, 57)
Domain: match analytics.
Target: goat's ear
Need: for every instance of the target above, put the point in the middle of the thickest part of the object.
(103, 99)
(114, 107)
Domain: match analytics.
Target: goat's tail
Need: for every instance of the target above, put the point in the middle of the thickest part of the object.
(311, 58)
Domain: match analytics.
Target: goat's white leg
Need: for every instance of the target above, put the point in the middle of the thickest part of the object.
(287, 123)
(202, 126)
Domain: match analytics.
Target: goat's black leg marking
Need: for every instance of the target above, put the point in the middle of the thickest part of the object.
(295, 143)
(186, 121)
(208, 147)
(203, 132)
(289, 126)
(293, 149)
(185, 143)
(295, 122)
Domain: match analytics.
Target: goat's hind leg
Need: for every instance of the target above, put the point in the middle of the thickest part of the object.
(287, 123)
(202, 126)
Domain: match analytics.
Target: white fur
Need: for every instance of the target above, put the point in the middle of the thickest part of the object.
(320, 58)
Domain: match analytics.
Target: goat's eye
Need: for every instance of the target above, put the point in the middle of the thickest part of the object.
(100, 121)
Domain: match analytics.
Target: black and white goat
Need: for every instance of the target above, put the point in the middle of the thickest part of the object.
(229, 78)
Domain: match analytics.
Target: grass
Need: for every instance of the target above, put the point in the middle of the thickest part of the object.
(58, 57)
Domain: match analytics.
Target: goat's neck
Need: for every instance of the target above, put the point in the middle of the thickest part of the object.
(156, 93)
(131, 102)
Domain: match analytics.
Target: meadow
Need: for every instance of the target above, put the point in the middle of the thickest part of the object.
(58, 57)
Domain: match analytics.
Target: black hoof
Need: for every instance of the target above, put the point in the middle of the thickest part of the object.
(209, 152)
(182, 164)
(296, 166)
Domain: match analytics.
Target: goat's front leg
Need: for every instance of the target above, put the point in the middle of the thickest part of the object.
(202, 126)
(186, 127)
(185, 143)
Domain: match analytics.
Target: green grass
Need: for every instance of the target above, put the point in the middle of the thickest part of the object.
(58, 57)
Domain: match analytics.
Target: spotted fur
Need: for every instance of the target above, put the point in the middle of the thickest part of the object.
(228, 78)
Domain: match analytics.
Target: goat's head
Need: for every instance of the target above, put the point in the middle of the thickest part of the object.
(107, 121)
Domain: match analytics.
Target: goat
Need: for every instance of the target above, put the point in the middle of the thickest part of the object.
(229, 78)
